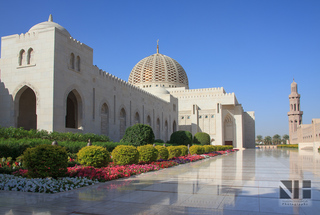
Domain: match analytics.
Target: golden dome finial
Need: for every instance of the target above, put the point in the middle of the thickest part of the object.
(50, 18)
(158, 46)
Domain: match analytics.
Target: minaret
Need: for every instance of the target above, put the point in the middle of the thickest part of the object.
(295, 115)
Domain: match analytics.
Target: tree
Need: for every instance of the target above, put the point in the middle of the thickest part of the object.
(267, 140)
(285, 138)
(138, 135)
(259, 139)
(276, 139)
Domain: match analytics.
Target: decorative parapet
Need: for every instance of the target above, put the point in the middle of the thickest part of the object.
(78, 43)
(119, 81)
(203, 90)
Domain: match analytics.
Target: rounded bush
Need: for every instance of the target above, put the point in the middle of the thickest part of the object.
(202, 138)
(174, 151)
(138, 135)
(46, 161)
(95, 156)
(184, 150)
(163, 152)
(196, 149)
(147, 153)
(181, 138)
(123, 155)
(208, 148)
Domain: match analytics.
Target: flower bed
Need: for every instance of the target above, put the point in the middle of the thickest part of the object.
(80, 176)
(38, 185)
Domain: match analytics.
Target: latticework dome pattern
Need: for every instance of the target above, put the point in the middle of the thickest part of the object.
(158, 70)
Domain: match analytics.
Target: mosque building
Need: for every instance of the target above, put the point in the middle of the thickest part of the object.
(48, 81)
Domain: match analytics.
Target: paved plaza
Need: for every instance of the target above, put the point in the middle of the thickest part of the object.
(244, 182)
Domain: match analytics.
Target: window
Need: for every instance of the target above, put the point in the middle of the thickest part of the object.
(206, 116)
(212, 116)
(30, 56)
(22, 56)
(78, 64)
(200, 116)
(188, 117)
(182, 117)
(72, 61)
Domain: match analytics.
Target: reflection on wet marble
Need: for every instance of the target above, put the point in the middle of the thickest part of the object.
(244, 182)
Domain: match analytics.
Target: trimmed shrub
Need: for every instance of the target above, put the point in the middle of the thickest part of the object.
(46, 161)
(202, 138)
(138, 135)
(20, 133)
(147, 153)
(196, 149)
(123, 155)
(181, 138)
(288, 146)
(174, 151)
(95, 156)
(208, 148)
(184, 150)
(163, 152)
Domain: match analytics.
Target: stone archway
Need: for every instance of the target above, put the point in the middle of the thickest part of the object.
(158, 129)
(136, 118)
(104, 119)
(228, 130)
(166, 131)
(174, 126)
(27, 116)
(123, 122)
(148, 120)
(73, 110)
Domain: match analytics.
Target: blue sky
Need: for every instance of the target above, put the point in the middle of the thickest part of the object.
(253, 48)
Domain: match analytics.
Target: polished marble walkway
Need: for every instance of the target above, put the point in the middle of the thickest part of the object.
(244, 182)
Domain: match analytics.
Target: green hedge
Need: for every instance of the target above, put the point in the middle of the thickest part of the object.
(15, 147)
(163, 152)
(174, 151)
(288, 146)
(196, 149)
(20, 133)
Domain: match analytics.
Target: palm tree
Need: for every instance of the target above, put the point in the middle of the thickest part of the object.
(276, 139)
(267, 140)
(259, 139)
(285, 138)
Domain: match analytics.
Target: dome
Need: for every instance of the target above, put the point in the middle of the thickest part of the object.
(158, 70)
(48, 24)
(158, 91)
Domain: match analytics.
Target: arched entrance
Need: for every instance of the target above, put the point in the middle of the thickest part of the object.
(166, 131)
(27, 116)
(73, 110)
(158, 129)
(104, 119)
(174, 126)
(148, 120)
(228, 131)
(136, 118)
(123, 123)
